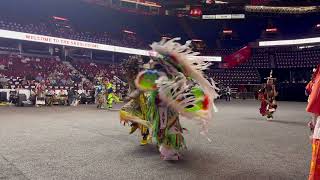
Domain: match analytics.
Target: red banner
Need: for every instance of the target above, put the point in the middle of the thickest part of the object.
(237, 58)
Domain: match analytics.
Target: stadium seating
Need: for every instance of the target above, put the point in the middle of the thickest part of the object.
(235, 76)
(25, 70)
(247, 73)
(102, 38)
(93, 69)
(297, 58)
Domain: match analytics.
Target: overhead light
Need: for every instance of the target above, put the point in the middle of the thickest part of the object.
(129, 32)
(227, 31)
(146, 3)
(221, 2)
(59, 18)
(271, 30)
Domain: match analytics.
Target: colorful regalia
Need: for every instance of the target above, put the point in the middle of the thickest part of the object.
(313, 88)
(175, 86)
(100, 95)
(134, 112)
(40, 94)
(110, 95)
(267, 96)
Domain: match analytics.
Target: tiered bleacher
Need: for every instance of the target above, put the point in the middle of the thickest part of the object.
(259, 59)
(92, 69)
(297, 58)
(25, 70)
(235, 76)
(125, 39)
(30, 69)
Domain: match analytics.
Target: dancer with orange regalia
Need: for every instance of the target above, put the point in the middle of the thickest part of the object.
(267, 96)
(313, 88)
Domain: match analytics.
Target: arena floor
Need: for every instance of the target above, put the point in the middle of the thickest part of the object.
(86, 143)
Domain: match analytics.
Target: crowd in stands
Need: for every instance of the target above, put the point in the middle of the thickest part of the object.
(95, 70)
(25, 71)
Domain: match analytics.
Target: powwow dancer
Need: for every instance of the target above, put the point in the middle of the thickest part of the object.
(176, 86)
(100, 95)
(111, 95)
(267, 97)
(313, 88)
(134, 112)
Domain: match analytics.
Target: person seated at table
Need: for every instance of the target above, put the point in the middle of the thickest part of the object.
(62, 97)
(50, 96)
(32, 97)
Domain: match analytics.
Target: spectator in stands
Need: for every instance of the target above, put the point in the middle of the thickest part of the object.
(63, 81)
(39, 77)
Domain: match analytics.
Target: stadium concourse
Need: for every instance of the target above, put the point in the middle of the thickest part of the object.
(85, 143)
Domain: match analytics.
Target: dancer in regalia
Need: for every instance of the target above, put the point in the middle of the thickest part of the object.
(313, 88)
(175, 86)
(111, 95)
(40, 94)
(100, 95)
(134, 112)
(267, 96)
